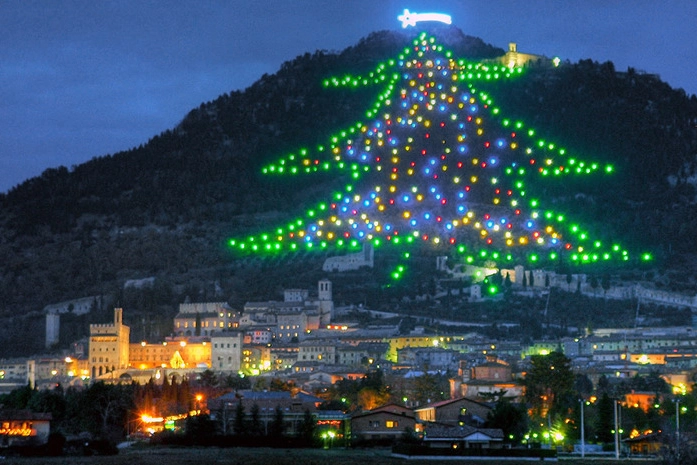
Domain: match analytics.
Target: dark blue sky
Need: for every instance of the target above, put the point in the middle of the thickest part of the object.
(80, 79)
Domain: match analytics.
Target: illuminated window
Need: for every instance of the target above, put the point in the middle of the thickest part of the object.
(391, 424)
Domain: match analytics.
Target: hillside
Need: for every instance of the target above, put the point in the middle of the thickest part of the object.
(166, 208)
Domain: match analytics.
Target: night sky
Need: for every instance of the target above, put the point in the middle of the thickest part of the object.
(79, 79)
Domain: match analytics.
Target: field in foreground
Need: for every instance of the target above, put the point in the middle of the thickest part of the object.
(264, 456)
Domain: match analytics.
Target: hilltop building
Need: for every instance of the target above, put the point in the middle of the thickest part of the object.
(351, 262)
(515, 59)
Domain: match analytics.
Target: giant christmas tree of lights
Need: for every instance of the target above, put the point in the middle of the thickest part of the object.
(436, 162)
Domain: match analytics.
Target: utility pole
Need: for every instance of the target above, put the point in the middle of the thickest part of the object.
(677, 428)
(583, 432)
(617, 433)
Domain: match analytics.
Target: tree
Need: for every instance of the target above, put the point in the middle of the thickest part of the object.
(605, 282)
(430, 388)
(277, 426)
(594, 283)
(583, 385)
(369, 398)
(256, 428)
(549, 378)
(307, 427)
(240, 426)
(510, 418)
(18, 398)
(606, 419)
(507, 281)
(199, 428)
(104, 409)
(49, 401)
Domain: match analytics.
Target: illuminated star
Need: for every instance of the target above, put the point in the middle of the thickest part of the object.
(410, 19)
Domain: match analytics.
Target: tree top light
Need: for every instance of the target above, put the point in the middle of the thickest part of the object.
(410, 19)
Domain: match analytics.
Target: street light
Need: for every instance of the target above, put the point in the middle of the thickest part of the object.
(328, 436)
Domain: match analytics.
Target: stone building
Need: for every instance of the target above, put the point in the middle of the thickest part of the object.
(109, 345)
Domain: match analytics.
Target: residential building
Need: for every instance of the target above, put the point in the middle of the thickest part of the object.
(24, 428)
(383, 423)
(454, 412)
(462, 437)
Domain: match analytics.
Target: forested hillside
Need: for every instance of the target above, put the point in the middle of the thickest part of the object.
(166, 208)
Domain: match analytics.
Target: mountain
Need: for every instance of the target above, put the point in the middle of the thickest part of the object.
(167, 208)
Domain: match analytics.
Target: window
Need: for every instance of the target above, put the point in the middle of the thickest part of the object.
(374, 424)
(391, 424)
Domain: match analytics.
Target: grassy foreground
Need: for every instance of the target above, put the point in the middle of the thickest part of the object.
(264, 456)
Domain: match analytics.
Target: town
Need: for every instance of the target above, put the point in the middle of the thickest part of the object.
(369, 383)
(446, 282)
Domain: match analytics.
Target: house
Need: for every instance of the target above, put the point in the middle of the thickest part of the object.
(462, 437)
(649, 443)
(454, 412)
(383, 423)
(23, 428)
(293, 404)
(490, 378)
